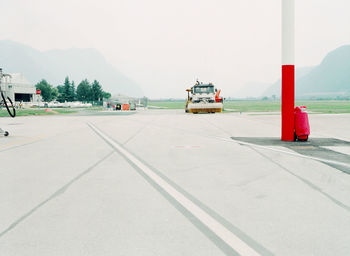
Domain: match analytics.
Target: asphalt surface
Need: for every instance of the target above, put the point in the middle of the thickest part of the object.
(162, 182)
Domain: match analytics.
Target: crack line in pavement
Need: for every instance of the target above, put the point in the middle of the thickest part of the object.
(137, 133)
(39, 139)
(22, 145)
(228, 238)
(20, 141)
(54, 195)
(231, 139)
(305, 181)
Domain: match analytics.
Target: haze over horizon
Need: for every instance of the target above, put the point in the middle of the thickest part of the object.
(164, 46)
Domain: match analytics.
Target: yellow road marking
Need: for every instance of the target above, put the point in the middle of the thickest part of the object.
(21, 142)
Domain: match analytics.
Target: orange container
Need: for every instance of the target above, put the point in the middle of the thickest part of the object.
(126, 107)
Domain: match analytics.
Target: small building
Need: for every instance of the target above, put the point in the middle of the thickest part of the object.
(18, 88)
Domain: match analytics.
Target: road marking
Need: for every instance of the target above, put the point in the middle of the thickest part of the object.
(285, 152)
(272, 149)
(221, 231)
(305, 181)
(186, 146)
(20, 142)
(253, 145)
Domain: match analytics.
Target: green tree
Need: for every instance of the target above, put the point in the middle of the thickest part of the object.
(84, 91)
(96, 91)
(73, 95)
(67, 89)
(47, 91)
(106, 95)
(54, 93)
(60, 90)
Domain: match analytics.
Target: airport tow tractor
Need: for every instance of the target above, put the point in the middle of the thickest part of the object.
(203, 98)
(6, 102)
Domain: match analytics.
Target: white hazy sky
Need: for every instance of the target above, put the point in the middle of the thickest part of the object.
(165, 45)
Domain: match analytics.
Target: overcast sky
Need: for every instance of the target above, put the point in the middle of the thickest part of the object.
(165, 45)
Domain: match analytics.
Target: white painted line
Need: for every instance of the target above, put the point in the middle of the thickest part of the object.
(221, 231)
(286, 152)
(259, 146)
(340, 149)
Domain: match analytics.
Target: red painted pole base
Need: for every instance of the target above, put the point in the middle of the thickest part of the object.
(288, 84)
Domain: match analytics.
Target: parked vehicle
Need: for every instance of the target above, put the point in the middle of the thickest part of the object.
(203, 98)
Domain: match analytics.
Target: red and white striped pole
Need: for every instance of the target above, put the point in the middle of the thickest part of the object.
(288, 76)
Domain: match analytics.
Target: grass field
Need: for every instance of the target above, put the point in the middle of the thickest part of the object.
(322, 107)
(35, 112)
(318, 107)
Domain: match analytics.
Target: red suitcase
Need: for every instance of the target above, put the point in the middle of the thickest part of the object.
(301, 124)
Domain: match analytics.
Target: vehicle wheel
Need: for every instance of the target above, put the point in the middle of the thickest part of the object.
(6, 133)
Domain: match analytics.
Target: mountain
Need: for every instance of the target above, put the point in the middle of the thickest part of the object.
(329, 79)
(275, 88)
(55, 65)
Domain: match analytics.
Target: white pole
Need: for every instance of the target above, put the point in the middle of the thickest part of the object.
(288, 32)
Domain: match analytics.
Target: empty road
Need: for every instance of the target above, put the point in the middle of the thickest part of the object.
(162, 182)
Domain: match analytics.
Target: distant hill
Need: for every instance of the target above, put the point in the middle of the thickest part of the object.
(275, 88)
(55, 65)
(329, 79)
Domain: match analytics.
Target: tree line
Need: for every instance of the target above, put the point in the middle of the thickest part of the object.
(85, 91)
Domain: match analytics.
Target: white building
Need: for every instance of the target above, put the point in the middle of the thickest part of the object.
(18, 88)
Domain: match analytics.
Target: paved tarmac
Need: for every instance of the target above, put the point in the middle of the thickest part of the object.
(162, 182)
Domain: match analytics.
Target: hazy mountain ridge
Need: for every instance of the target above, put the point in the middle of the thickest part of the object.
(275, 88)
(55, 65)
(330, 78)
